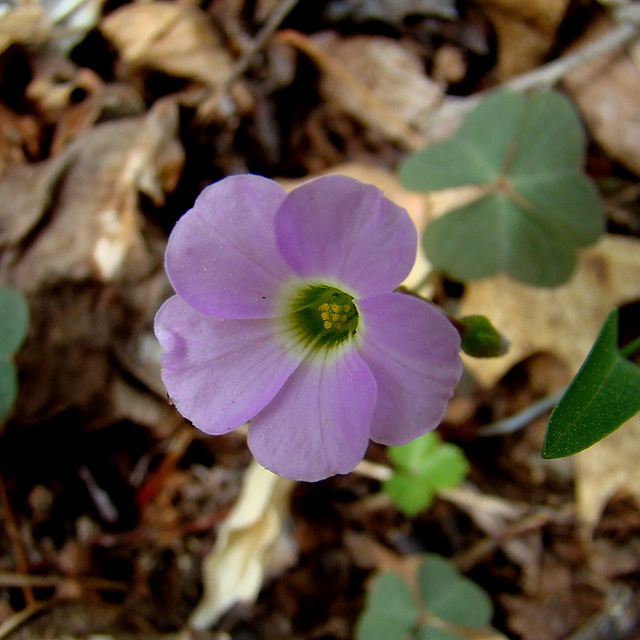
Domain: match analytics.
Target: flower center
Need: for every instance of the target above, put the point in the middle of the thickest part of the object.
(323, 316)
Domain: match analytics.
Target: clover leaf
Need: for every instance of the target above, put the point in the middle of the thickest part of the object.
(448, 606)
(422, 467)
(14, 320)
(390, 611)
(535, 205)
(604, 394)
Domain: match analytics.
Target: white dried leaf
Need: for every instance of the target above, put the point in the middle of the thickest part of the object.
(251, 545)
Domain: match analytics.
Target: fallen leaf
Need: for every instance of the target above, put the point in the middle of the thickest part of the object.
(564, 321)
(25, 23)
(76, 216)
(608, 468)
(606, 90)
(252, 544)
(175, 38)
(374, 79)
(526, 31)
(72, 238)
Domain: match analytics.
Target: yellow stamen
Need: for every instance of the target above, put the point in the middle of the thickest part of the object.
(335, 308)
(346, 307)
(327, 325)
(324, 315)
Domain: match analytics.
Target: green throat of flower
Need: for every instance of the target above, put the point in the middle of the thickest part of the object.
(322, 316)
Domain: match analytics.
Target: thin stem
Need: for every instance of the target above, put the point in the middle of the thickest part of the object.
(631, 348)
(522, 418)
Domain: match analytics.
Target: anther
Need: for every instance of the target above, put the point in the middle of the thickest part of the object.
(327, 325)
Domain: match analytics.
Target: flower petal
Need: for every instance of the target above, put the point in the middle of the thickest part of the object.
(412, 350)
(221, 256)
(340, 228)
(219, 373)
(318, 425)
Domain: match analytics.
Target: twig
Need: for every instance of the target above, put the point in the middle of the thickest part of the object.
(522, 418)
(210, 102)
(549, 74)
(12, 580)
(16, 542)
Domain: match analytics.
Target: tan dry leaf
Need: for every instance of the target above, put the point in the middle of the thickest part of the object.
(607, 93)
(176, 38)
(607, 468)
(76, 216)
(251, 544)
(526, 31)
(563, 321)
(24, 24)
(376, 80)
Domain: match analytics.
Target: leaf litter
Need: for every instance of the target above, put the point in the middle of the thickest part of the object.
(115, 522)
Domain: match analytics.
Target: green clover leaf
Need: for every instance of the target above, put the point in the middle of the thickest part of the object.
(422, 467)
(536, 206)
(451, 606)
(14, 321)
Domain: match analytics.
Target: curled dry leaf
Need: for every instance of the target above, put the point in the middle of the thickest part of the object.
(376, 80)
(172, 37)
(73, 239)
(526, 31)
(25, 23)
(76, 216)
(606, 92)
(252, 544)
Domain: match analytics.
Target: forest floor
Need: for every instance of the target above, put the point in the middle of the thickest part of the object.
(113, 117)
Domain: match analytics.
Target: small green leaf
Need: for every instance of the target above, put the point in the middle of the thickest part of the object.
(433, 633)
(536, 205)
(604, 394)
(452, 597)
(389, 610)
(14, 320)
(413, 455)
(410, 494)
(423, 466)
(8, 386)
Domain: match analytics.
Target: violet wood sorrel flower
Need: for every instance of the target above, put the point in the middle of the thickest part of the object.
(285, 316)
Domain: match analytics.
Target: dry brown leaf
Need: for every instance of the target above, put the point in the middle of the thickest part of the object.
(607, 468)
(563, 321)
(24, 24)
(526, 31)
(251, 544)
(76, 216)
(172, 37)
(374, 79)
(74, 240)
(606, 91)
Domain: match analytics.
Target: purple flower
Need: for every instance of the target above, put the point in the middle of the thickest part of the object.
(285, 315)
